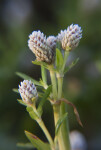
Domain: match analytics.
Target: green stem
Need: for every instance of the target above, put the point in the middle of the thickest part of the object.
(63, 136)
(56, 109)
(43, 127)
(44, 75)
(54, 84)
(65, 59)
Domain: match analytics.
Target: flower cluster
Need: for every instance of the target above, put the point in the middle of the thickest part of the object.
(28, 91)
(40, 47)
(44, 48)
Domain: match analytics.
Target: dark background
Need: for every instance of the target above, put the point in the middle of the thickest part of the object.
(18, 18)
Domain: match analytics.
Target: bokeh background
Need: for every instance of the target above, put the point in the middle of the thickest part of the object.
(18, 18)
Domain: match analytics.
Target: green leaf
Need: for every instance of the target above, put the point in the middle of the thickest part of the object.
(72, 65)
(44, 75)
(26, 77)
(37, 62)
(40, 145)
(28, 108)
(44, 98)
(15, 90)
(21, 102)
(59, 59)
(32, 113)
(40, 63)
(25, 145)
(59, 123)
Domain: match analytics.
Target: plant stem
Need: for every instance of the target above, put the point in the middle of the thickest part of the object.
(43, 127)
(63, 136)
(54, 84)
(44, 75)
(47, 134)
(65, 59)
(56, 109)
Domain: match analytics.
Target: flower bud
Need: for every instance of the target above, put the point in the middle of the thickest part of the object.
(61, 35)
(51, 41)
(38, 44)
(28, 91)
(72, 37)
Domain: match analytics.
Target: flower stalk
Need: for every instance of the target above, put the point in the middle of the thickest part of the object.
(54, 83)
(47, 134)
(64, 130)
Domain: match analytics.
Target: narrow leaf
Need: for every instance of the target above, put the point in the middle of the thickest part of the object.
(40, 145)
(72, 65)
(25, 145)
(21, 102)
(75, 110)
(44, 98)
(40, 63)
(15, 90)
(26, 77)
(44, 75)
(59, 123)
(37, 62)
(59, 59)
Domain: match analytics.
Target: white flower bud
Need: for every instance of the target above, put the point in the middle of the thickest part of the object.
(38, 44)
(27, 91)
(51, 41)
(72, 37)
(61, 35)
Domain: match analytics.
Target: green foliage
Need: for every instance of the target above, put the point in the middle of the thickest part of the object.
(25, 145)
(26, 77)
(33, 113)
(72, 65)
(59, 59)
(59, 123)
(44, 98)
(15, 90)
(40, 63)
(43, 74)
(21, 102)
(40, 145)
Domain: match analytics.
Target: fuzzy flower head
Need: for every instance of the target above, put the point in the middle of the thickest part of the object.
(61, 35)
(51, 41)
(38, 45)
(70, 38)
(27, 91)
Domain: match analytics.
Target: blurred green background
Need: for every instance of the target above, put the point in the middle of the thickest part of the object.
(18, 18)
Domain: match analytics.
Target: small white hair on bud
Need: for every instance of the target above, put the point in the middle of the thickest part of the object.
(27, 91)
(71, 37)
(61, 35)
(38, 45)
(51, 41)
